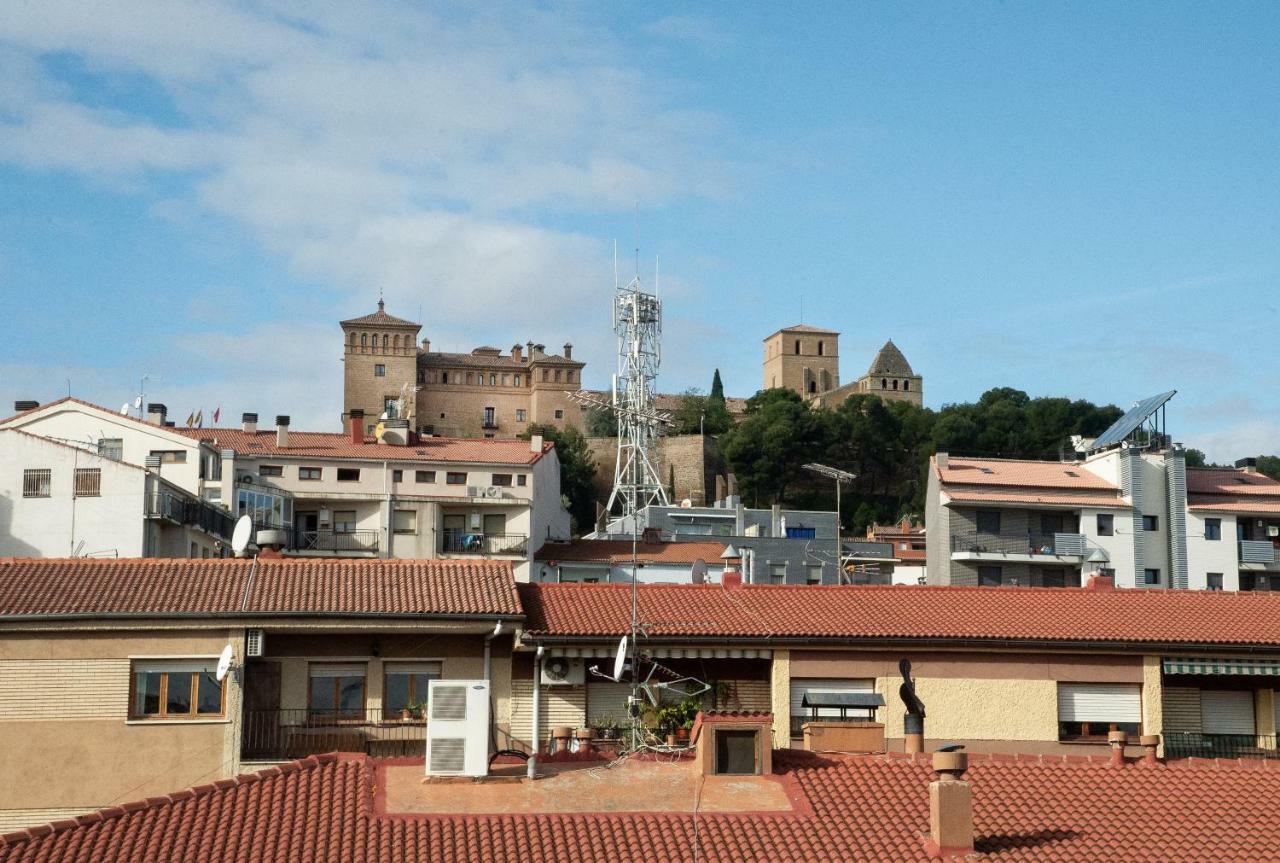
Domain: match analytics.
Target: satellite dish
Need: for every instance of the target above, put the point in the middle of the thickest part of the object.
(241, 535)
(224, 663)
(137, 403)
(620, 659)
(124, 409)
(699, 571)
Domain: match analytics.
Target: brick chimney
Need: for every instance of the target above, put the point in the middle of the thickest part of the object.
(950, 807)
(355, 425)
(1097, 581)
(426, 346)
(156, 413)
(517, 353)
(568, 350)
(249, 422)
(282, 431)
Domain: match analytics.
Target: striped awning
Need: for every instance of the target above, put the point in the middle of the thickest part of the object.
(608, 651)
(1211, 665)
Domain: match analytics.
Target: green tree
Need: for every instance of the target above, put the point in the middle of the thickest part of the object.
(717, 419)
(1195, 458)
(577, 470)
(688, 415)
(1270, 465)
(601, 422)
(769, 446)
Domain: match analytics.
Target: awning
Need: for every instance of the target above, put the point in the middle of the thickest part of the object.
(1202, 665)
(608, 652)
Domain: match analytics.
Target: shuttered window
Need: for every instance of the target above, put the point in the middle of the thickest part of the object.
(800, 685)
(1088, 711)
(1226, 711)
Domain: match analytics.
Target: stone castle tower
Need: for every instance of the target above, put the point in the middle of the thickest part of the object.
(380, 363)
(806, 360)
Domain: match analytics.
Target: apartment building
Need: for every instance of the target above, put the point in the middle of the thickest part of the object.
(108, 690)
(483, 393)
(317, 494)
(806, 359)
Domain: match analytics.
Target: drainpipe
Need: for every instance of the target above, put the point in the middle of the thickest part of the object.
(488, 640)
(531, 766)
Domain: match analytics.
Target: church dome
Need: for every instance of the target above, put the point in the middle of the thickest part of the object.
(890, 361)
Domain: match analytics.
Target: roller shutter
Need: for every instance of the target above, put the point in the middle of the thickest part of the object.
(606, 699)
(561, 705)
(1099, 702)
(1226, 711)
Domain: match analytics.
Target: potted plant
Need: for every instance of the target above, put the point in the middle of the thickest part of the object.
(406, 712)
(606, 727)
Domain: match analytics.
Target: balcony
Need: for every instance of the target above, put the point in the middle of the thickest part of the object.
(285, 735)
(336, 541)
(465, 542)
(1187, 744)
(1022, 547)
(181, 510)
(1257, 551)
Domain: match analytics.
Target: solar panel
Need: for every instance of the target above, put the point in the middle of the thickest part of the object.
(1132, 420)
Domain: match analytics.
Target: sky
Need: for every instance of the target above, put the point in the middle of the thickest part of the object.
(1074, 199)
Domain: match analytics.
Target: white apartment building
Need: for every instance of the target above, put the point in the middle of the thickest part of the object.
(318, 494)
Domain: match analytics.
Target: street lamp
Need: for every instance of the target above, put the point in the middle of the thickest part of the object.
(840, 476)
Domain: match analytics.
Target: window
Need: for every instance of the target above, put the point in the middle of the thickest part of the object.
(176, 689)
(823, 686)
(364, 340)
(797, 347)
(490, 418)
(820, 347)
(1213, 580)
(1213, 528)
(391, 407)
(386, 341)
(1248, 581)
(397, 476)
(503, 479)
(988, 520)
(1106, 524)
(195, 550)
(559, 414)
(344, 521)
(1051, 523)
(895, 385)
(544, 375)
(379, 370)
(813, 574)
(424, 476)
(270, 470)
(88, 482)
(517, 380)
(265, 510)
(111, 447)
(1227, 711)
(36, 482)
(884, 384)
(1088, 711)
(1053, 576)
(405, 521)
(406, 687)
(170, 456)
(777, 573)
(493, 380)
(522, 479)
(444, 377)
(308, 473)
(453, 478)
(557, 376)
(348, 474)
(568, 375)
(336, 689)
(988, 576)
(1151, 576)
(520, 415)
(906, 385)
(1151, 522)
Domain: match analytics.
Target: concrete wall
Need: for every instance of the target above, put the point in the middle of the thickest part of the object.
(1207, 555)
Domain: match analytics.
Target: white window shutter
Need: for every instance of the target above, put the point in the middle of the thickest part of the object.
(1099, 702)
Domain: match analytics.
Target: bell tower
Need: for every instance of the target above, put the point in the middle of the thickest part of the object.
(380, 360)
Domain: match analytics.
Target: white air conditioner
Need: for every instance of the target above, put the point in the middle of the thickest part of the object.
(493, 491)
(562, 671)
(474, 491)
(458, 728)
(255, 642)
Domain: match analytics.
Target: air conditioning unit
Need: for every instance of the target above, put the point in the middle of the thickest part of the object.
(255, 642)
(248, 478)
(493, 491)
(562, 671)
(474, 491)
(458, 728)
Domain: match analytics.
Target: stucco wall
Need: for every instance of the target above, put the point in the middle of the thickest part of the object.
(780, 689)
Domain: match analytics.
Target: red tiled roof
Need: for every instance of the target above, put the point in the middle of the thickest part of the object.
(868, 808)
(1226, 481)
(899, 612)
(1019, 472)
(1223, 503)
(610, 550)
(166, 587)
(1111, 499)
(380, 318)
(334, 445)
(440, 359)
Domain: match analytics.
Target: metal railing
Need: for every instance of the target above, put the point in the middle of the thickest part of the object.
(1188, 744)
(1055, 544)
(196, 513)
(1257, 551)
(467, 542)
(280, 735)
(336, 540)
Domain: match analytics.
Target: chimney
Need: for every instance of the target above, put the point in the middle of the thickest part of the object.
(528, 349)
(1150, 743)
(535, 443)
(25, 405)
(249, 422)
(568, 350)
(517, 353)
(355, 425)
(426, 346)
(731, 578)
(156, 413)
(1100, 582)
(775, 520)
(1117, 740)
(282, 431)
(539, 350)
(950, 807)
(1248, 465)
(941, 459)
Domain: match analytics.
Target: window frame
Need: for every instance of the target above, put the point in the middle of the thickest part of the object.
(522, 479)
(379, 370)
(304, 474)
(1151, 523)
(337, 714)
(424, 476)
(503, 480)
(389, 669)
(399, 531)
(1213, 529)
(166, 667)
(34, 479)
(271, 470)
(170, 456)
(1110, 529)
(1146, 577)
(1208, 581)
(987, 570)
(1087, 733)
(452, 477)
(81, 484)
(352, 474)
(980, 514)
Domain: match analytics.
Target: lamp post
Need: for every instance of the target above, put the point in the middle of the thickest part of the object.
(840, 476)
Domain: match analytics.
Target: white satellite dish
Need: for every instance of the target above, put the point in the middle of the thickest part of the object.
(224, 663)
(137, 403)
(620, 659)
(699, 571)
(241, 535)
(124, 409)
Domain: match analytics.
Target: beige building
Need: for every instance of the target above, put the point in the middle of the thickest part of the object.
(806, 360)
(484, 393)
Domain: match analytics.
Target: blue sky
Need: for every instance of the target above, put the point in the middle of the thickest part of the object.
(1073, 199)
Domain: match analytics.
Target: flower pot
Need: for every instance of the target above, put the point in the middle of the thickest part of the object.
(405, 716)
(671, 740)
(682, 734)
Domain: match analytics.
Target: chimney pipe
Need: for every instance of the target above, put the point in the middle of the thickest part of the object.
(250, 423)
(282, 431)
(1150, 743)
(568, 350)
(950, 807)
(942, 459)
(156, 413)
(1117, 740)
(356, 425)
(25, 405)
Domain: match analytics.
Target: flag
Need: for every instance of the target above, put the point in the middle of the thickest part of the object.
(217, 412)
(200, 419)
(191, 419)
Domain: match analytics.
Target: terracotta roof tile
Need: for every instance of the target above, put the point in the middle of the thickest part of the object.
(1230, 482)
(380, 318)
(1223, 503)
(869, 808)
(441, 359)
(165, 587)
(609, 550)
(1046, 496)
(1069, 615)
(1019, 472)
(335, 445)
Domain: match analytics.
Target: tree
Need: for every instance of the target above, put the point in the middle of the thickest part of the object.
(769, 446)
(1195, 458)
(1270, 465)
(717, 419)
(601, 422)
(717, 388)
(577, 470)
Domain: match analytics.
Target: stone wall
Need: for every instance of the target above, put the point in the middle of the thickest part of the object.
(687, 464)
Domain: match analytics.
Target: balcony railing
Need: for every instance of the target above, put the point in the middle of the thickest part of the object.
(280, 735)
(1257, 551)
(466, 542)
(336, 540)
(1052, 544)
(196, 513)
(1184, 744)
